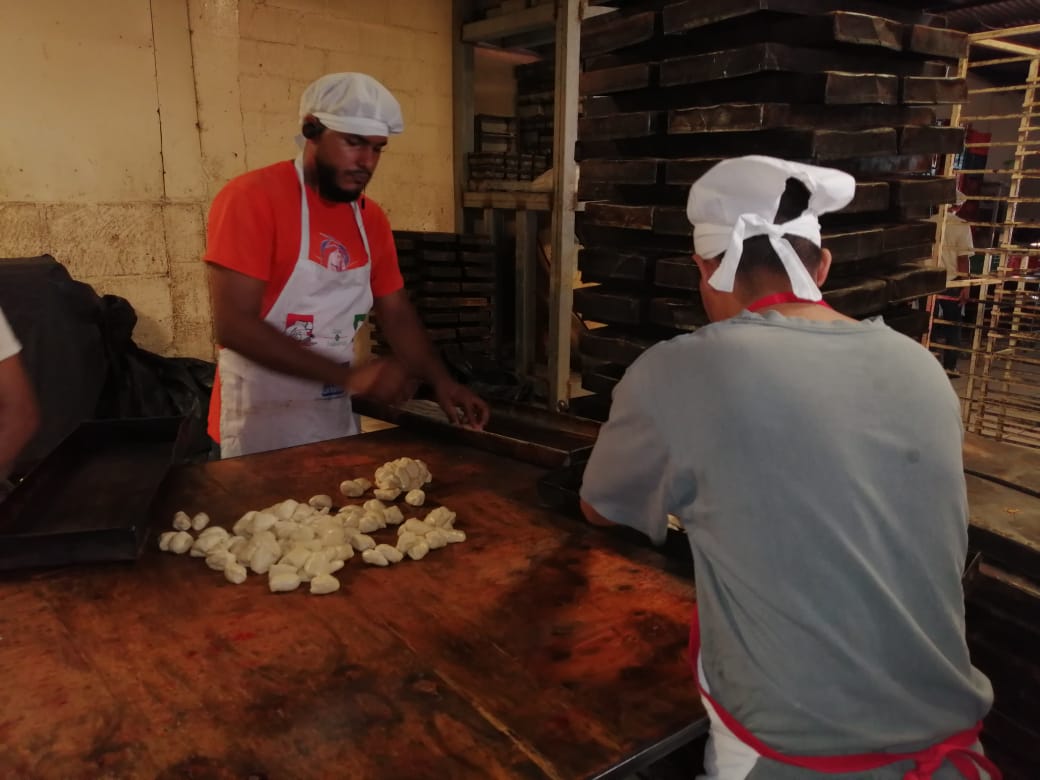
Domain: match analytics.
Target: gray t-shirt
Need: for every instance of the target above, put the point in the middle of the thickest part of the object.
(817, 469)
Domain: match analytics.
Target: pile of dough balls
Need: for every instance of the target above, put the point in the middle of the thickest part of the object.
(295, 543)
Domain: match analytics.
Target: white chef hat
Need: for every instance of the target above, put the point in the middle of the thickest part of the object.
(738, 199)
(352, 103)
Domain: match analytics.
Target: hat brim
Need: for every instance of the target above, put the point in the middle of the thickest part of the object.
(357, 125)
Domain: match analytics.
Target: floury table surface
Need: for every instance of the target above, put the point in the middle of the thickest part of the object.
(539, 648)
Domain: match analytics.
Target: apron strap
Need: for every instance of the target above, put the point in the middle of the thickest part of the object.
(958, 749)
(305, 217)
(361, 228)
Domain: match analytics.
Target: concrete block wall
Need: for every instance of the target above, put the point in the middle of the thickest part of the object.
(126, 118)
(406, 44)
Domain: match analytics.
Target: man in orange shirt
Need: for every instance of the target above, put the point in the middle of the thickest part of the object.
(297, 256)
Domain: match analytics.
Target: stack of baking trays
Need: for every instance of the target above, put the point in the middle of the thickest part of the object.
(670, 89)
(451, 280)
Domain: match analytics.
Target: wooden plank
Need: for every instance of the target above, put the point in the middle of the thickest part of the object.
(372, 680)
(688, 171)
(914, 281)
(636, 240)
(615, 215)
(911, 234)
(931, 140)
(627, 171)
(632, 194)
(621, 79)
(765, 57)
(871, 266)
(600, 305)
(910, 322)
(602, 378)
(1009, 464)
(1005, 525)
(536, 18)
(760, 116)
(635, 125)
(690, 15)
(605, 265)
(616, 345)
(683, 314)
(530, 201)
(923, 190)
(839, 29)
(937, 42)
(818, 145)
(564, 262)
(858, 299)
(830, 88)
(672, 221)
(677, 273)
(850, 245)
(614, 31)
(451, 303)
(870, 196)
(929, 90)
(839, 145)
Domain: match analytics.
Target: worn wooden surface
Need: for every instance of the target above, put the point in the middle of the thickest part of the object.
(540, 648)
(1004, 487)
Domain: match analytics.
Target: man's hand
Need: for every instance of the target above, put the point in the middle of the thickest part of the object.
(462, 405)
(384, 380)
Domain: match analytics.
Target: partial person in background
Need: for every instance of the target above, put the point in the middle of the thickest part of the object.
(815, 463)
(955, 253)
(297, 257)
(19, 415)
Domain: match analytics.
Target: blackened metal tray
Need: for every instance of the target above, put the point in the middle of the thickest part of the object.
(520, 432)
(89, 500)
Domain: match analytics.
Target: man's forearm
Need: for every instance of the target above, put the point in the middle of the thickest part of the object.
(263, 344)
(16, 429)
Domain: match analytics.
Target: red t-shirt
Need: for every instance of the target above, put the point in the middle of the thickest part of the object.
(254, 228)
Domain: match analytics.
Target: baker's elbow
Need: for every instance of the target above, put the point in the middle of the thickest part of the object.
(594, 517)
(227, 329)
(31, 418)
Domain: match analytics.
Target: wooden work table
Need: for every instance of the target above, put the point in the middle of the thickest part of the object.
(540, 648)
(1004, 500)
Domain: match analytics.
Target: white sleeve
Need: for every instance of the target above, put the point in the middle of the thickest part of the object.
(9, 345)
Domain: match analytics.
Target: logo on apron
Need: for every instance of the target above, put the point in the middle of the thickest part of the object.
(300, 327)
(335, 256)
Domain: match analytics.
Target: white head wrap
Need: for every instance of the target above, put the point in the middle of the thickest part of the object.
(738, 199)
(352, 103)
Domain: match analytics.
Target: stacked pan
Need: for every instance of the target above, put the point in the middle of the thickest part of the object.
(669, 89)
(451, 280)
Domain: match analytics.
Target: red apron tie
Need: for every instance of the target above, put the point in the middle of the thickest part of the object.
(958, 749)
(785, 297)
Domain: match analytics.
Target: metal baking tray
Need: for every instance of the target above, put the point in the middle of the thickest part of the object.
(560, 490)
(524, 433)
(89, 500)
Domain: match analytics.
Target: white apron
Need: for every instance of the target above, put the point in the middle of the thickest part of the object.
(322, 308)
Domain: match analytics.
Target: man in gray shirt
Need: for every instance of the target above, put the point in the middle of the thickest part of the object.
(815, 462)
